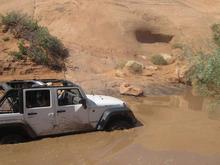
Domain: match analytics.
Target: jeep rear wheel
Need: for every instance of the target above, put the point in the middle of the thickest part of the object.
(12, 139)
(118, 125)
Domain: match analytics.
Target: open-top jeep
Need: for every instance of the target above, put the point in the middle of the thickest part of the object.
(30, 109)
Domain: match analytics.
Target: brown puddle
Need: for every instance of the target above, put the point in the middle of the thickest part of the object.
(176, 130)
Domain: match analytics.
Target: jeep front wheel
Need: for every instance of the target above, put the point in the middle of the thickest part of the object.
(118, 125)
(12, 139)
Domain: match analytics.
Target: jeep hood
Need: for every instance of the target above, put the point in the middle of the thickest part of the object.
(99, 100)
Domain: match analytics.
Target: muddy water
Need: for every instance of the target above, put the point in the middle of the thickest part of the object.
(176, 130)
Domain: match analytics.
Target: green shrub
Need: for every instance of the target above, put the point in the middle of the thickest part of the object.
(11, 19)
(19, 24)
(205, 72)
(178, 46)
(53, 45)
(30, 25)
(22, 48)
(46, 49)
(134, 66)
(158, 60)
(16, 55)
(216, 33)
(38, 55)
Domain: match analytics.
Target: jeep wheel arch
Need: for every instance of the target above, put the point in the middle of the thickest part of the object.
(114, 115)
(119, 124)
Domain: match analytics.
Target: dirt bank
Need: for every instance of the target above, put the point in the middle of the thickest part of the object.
(101, 35)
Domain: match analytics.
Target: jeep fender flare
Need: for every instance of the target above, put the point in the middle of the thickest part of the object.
(112, 113)
(17, 127)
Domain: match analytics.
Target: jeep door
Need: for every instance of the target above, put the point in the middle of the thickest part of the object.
(71, 115)
(38, 110)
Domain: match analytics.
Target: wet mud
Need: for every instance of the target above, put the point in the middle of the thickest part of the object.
(181, 129)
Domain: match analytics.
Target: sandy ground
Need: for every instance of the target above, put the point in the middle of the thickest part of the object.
(102, 34)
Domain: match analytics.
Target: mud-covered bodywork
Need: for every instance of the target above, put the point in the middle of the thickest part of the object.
(50, 107)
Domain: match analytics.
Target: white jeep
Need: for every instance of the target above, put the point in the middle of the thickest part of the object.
(30, 109)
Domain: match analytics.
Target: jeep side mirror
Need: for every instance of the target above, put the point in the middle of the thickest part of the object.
(83, 102)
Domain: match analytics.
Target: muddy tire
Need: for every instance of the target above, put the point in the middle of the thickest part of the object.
(12, 139)
(118, 125)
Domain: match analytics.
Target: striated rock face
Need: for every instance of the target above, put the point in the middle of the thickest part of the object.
(134, 66)
(127, 89)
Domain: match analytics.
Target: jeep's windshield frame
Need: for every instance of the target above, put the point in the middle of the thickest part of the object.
(2, 93)
(14, 99)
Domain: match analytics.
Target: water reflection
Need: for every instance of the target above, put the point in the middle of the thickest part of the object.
(198, 103)
(187, 101)
(214, 109)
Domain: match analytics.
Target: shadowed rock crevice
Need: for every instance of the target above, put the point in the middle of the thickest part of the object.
(146, 36)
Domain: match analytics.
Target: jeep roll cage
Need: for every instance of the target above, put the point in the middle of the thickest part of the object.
(35, 83)
(14, 88)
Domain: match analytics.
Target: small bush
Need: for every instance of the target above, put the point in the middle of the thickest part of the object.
(216, 33)
(205, 71)
(30, 25)
(16, 55)
(11, 19)
(22, 48)
(45, 49)
(158, 60)
(38, 55)
(204, 74)
(50, 43)
(134, 66)
(178, 46)
(19, 24)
